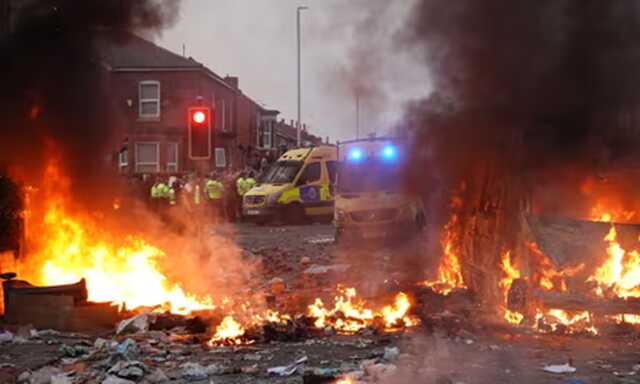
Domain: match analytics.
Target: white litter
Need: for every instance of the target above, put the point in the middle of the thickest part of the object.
(564, 368)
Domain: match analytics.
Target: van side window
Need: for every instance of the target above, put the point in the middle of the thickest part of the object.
(311, 174)
(332, 168)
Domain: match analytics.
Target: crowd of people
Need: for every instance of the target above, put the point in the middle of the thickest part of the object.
(218, 194)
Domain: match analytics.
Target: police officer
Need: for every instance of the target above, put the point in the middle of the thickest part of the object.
(166, 192)
(242, 184)
(250, 181)
(156, 194)
(214, 191)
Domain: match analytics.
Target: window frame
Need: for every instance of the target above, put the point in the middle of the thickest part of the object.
(138, 163)
(265, 130)
(334, 164)
(216, 151)
(141, 100)
(123, 159)
(302, 176)
(176, 164)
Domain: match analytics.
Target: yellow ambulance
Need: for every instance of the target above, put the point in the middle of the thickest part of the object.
(372, 201)
(297, 187)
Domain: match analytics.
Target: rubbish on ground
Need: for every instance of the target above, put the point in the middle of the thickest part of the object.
(391, 353)
(287, 370)
(563, 368)
(138, 323)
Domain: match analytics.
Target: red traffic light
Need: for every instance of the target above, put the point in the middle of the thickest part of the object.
(200, 120)
(199, 117)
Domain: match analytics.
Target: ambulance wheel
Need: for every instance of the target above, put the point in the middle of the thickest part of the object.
(294, 214)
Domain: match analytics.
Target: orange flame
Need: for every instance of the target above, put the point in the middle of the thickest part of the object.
(620, 273)
(350, 315)
(125, 272)
(449, 271)
(576, 322)
(511, 273)
(228, 332)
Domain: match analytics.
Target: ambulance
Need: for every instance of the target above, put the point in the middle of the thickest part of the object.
(296, 188)
(371, 201)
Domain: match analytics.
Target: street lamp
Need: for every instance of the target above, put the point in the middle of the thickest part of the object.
(299, 77)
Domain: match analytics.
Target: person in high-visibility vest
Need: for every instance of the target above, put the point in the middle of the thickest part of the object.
(214, 191)
(157, 194)
(250, 181)
(244, 184)
(171, 195)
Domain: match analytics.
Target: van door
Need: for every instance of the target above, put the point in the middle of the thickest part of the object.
(310, 184)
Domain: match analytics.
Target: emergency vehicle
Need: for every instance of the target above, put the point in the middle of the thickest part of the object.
(298, 186)
(371, 201)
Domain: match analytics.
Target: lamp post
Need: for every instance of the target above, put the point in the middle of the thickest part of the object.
(299, 125)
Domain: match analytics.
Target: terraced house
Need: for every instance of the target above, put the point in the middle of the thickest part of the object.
(153, 88)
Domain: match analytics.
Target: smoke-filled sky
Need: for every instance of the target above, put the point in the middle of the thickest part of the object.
(347, 46)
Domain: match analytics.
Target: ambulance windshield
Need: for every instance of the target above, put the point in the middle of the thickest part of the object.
(369, 176)
(282, 172)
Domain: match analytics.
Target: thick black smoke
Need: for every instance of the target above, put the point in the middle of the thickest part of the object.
(538, 86)
(53, 86)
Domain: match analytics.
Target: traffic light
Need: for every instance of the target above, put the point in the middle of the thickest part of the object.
(200, 133)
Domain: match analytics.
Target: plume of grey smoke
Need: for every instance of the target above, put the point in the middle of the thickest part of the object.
(364, 64)
(53, 87)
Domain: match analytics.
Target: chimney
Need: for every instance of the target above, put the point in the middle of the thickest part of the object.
(292, 124)
(232, 81)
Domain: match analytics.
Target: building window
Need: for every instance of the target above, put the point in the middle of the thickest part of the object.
(123, 160)
(172, 157)
(149, 99)
(147, 157)
(221, 159)
(265, 135)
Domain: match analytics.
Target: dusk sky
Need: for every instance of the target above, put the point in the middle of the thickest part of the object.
(344, 48)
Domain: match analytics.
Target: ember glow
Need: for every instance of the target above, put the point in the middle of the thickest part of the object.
(511, 273)
(122, 270)
(554, 320)
(350, 314)
(546, 320)
(229, 332)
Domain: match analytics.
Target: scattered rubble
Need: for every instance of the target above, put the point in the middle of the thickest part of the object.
(138, 323)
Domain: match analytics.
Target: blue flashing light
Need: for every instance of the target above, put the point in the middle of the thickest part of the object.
(355, 154)
(389, 152)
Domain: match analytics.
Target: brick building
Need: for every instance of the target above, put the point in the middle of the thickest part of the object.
(285, 136)
(152, 89)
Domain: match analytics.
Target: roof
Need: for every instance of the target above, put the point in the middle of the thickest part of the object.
(132, 51)
(129, 52)
(290, 132)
